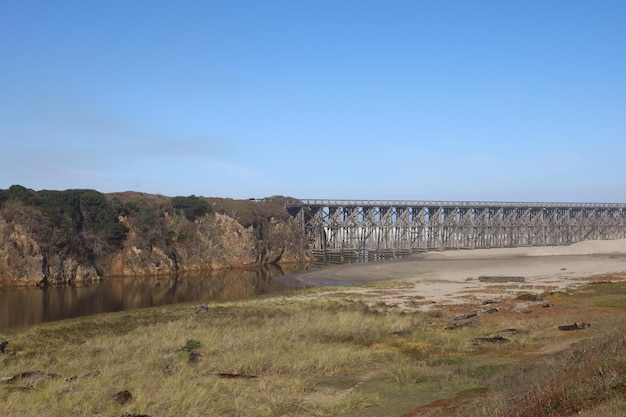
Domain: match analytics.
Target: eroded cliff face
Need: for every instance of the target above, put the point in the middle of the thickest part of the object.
(211, 242)
(24, 262)
(21, 260)
(158, 240)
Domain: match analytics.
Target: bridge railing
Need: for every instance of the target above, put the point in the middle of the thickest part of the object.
(435, 203)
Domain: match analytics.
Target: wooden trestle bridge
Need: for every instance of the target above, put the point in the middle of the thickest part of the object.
(412, 226)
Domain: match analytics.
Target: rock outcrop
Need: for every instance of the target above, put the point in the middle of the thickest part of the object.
(82, 235)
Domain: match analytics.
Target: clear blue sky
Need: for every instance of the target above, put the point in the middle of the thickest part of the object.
(518, 100)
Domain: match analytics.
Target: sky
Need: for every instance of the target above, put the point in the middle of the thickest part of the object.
(520, 100)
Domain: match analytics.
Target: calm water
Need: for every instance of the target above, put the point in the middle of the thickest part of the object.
(26, 306)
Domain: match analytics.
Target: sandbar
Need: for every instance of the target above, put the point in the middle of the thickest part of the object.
(455, 276)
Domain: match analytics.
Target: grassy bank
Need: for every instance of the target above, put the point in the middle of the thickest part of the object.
(325, 355)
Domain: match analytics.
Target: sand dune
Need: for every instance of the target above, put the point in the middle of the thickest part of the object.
(590, 247)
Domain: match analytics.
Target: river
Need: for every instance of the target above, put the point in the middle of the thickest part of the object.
(27, 306)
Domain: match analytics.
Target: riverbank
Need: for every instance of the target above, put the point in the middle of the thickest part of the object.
(473, 276)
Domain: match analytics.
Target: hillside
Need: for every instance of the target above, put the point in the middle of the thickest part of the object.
(59, 237)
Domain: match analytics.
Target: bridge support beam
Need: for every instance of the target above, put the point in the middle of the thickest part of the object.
(413, 226)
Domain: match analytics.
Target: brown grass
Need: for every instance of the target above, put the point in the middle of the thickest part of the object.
(325, 356)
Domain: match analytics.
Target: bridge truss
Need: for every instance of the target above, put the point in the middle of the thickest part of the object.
(413, 226)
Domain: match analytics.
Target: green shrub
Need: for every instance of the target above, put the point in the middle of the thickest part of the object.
(81, 222)
(192, 207)
(191, 345)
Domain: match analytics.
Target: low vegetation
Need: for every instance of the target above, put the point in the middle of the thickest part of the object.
(82, 223)
(192, 207)
(66, 219)
(317, 354)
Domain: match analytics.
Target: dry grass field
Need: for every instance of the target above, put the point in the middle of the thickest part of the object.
(329, 353)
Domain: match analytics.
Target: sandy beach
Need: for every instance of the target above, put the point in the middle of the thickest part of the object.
(472, 276)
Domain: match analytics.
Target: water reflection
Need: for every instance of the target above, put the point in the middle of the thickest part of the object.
(328, 257)
(27, 306)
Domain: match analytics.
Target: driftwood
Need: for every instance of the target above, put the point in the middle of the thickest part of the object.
(460, 325)
(195, 357)
(201, 308)
(465, 316)
(27, 374)
(529, 297)
(123, 397)
(234, 376)
(93, 374)
(575, 326)
(511, 330)
(494, 340)
(500, 278)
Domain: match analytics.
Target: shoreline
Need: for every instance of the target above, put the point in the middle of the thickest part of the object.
(452, 277)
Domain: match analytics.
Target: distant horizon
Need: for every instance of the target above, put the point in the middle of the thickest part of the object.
(330, 199)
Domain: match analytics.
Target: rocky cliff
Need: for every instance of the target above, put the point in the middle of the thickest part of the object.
(60, 237)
